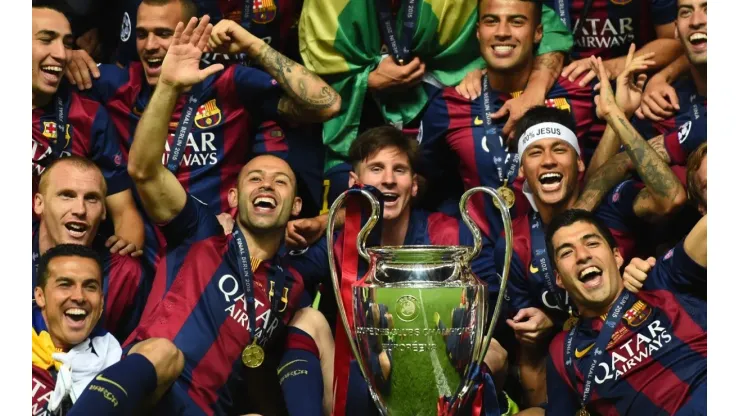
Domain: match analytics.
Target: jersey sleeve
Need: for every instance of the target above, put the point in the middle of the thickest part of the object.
(681, 141)
(194, 223)
(313, 264)
(106, 153)
(555, 36)
(676, 271)
(124, 275)
(663, 11)
(617, 208)
(561, 400)
(259, 92)
(111, 78)
(517, 292)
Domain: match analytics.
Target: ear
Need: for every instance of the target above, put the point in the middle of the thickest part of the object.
(414, 186)
(477, 30)
(521, 170)
(105, 212)
(675, 30)
(559, 280)
(353, 179)
(38, 204)
(581, 165)
(297, 205)
(618, 257)
(38, 295)
(538, 34)
(233, 198)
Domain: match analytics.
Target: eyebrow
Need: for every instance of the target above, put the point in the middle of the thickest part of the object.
(512, 16)
(71, 280)
(584, 238)
(262, 172)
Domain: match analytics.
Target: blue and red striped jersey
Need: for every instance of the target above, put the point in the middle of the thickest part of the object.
(88, 133)
(612, 25)
(528, 288)
(231, 105)
(274, 21)
(198, 304)
(453, 125)
(656, 361)
(122, 278)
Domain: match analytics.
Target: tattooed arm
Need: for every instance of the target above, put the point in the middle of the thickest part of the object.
(307, 97)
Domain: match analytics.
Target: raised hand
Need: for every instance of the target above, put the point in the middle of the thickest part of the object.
(228, 37)
(181, 65)
(629, 86)
(606, 103)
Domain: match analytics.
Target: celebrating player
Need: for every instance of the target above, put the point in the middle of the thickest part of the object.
(64, 123)
(69, 350)
(222, 300)
(70, 207)
(508, 33)
(644, 352)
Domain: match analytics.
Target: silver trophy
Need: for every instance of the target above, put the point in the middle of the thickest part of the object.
(419, 316)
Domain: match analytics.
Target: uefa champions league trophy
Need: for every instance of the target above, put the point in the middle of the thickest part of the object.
(418, 315)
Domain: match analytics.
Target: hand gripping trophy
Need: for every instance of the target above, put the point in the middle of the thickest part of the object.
(391, 312)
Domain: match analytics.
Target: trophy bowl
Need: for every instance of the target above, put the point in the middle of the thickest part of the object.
(418, 318)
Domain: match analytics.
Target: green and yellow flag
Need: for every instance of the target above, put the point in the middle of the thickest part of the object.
(340, 40)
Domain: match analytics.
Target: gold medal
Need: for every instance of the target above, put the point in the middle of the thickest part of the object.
(570, 323)
(253, 356)
(507, 194)
(582, 412)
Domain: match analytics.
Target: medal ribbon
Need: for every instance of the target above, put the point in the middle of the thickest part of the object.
(245, 271)
(502, 159)
(542, 260)
(399, 49)
(61, 111)
(599, 350)
(353, 268)
(247, 14)
(187, 117)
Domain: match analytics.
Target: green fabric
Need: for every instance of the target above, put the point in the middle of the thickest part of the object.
(340, 40)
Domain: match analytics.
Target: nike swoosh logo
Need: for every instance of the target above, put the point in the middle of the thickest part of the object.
(533, 269)
(478, 121)
(580, 354)
(101, 378)
(280, 369)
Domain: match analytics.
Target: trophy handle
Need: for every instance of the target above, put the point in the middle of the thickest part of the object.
(361, 240)
(477, 239)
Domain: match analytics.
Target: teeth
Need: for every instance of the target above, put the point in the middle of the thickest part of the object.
(698, 36)
(76, 312)
(592, 269)
(270, 201)
(503, 48)
(76, 227)
(550, 175)
(52, 68)
(154, 60)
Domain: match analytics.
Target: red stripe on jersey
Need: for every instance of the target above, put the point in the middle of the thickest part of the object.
(688, 331)
(557, 354)
(121, 106)
(443, 230)
(124, 274)
(671, 390)
(169, 315)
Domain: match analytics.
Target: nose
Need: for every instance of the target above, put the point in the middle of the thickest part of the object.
(76, 294)
(389, 178)
(58, 51)
(502, 31)
(698, 19)
(548, 160)
(583, 255)
(151, 43)
(79, 208)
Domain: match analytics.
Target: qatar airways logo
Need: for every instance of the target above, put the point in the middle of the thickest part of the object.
(633, 352)
(234, 296)
(605, 33)
(202, 150)
(38, 406)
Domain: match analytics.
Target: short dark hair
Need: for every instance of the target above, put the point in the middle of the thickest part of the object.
(692, 166)
(56, 5)
(537, 14)
(542, 114)
(378, 138)
(65, 250)
(571, 217)
(77, 161)
(189, 9)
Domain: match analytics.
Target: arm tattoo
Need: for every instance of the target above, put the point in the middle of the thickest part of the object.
(603, 180)
(552, 62)
(306, 88)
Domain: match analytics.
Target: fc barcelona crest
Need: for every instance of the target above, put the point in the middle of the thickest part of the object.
(50, 131)
(638, 314)
(208, 115)
(264, 11)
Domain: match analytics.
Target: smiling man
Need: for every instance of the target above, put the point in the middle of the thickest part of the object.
(628, 353)
(65, 123)
(69, 349)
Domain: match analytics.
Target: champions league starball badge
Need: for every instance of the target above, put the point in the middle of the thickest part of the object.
(407, 308)
(253, 356)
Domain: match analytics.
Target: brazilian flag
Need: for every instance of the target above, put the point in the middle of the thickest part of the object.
(340, 40)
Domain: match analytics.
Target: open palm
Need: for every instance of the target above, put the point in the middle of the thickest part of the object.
(629, 84)
(181, 66)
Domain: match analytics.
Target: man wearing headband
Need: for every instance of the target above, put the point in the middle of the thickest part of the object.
(551, 167)
(509, 32)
